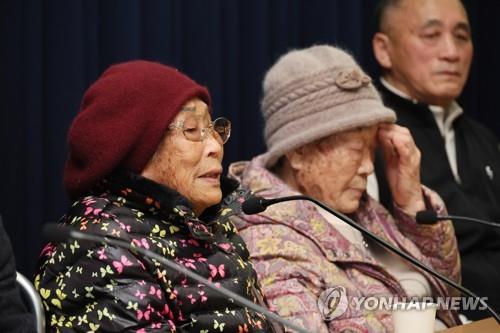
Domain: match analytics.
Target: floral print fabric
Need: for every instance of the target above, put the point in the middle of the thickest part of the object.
(89, 287)
(297, 254)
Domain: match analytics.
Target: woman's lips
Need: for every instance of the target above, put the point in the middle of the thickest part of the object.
(358, 190)
(212, 176)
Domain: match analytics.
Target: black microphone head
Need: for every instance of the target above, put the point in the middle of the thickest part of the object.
(253, 205)
(426, 217)
(56, 233)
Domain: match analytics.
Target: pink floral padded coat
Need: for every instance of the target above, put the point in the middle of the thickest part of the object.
(298, 254)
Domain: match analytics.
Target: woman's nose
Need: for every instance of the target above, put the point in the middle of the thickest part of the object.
(214, 145)
(367, 166)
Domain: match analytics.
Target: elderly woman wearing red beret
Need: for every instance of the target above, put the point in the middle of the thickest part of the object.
(144, 166)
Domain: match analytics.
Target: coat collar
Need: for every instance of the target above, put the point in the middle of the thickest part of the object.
(144, 194)
(410, 112)
(416, 113)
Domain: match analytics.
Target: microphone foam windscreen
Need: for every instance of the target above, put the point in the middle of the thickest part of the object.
(426, 217)
(253, 205)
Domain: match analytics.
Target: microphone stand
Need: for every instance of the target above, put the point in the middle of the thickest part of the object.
(53, 229)
(471, 219)
(264, 203)
(431, 217)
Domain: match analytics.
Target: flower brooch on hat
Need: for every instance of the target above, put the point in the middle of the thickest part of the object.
(351, 79)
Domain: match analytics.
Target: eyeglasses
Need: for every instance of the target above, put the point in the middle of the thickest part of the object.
(193, 131)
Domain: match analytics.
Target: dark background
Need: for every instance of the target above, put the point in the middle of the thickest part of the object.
(51, 51)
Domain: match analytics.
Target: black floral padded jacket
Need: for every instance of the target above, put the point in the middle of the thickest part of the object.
(97, 288)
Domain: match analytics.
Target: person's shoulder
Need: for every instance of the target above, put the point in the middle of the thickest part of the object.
(105, 215)
(274, 240)
(478, 128)
(473, 123)
(284, 228)
(91, 205)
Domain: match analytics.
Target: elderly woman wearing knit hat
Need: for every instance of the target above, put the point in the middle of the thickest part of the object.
(144, 166)
(323, 121)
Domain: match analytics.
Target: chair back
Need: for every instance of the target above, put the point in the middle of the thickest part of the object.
(32, 300)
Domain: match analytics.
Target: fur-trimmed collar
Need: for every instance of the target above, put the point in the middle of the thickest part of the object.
(145, 192)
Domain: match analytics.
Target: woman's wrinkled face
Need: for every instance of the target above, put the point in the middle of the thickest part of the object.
(193, 168)
(335, 169)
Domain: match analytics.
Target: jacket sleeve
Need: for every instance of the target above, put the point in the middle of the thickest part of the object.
(87, 288)
(437, 242)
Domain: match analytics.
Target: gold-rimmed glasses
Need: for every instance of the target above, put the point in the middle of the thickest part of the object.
(194, 131)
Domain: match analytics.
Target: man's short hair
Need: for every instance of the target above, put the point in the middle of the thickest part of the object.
(380, 12)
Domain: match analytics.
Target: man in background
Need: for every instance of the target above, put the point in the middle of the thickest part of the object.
(424, 48)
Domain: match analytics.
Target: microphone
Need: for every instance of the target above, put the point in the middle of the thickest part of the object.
(256, 205)
(61, 233)
(431, 217)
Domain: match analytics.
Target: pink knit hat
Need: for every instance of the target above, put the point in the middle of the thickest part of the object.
(122, 120)
(313, 93)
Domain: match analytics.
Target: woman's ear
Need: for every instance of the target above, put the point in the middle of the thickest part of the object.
(296, 158)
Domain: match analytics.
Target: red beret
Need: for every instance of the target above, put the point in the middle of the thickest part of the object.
(122, 120)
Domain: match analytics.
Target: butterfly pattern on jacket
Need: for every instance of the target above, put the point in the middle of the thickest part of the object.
(97, 288)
